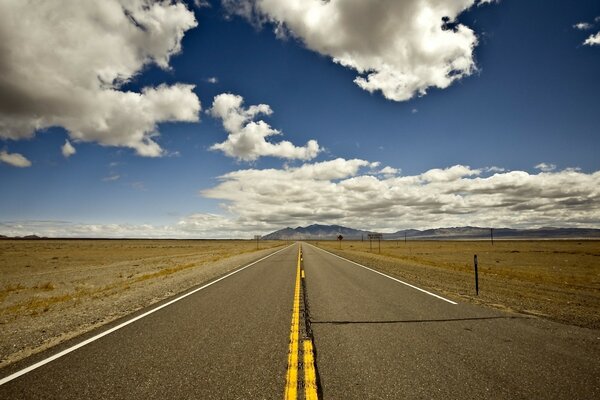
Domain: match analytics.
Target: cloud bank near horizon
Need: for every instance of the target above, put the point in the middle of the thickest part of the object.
(357, 193)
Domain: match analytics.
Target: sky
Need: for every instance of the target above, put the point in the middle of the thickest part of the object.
(230, 118)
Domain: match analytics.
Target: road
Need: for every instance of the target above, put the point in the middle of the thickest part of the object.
(373, 338)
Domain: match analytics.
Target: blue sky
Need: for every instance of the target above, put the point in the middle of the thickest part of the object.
(514, 142)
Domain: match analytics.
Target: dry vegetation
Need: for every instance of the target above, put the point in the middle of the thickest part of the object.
(51, 290)
(558, 279)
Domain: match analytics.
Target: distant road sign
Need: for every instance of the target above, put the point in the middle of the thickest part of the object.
(340, 237)
(376, 236)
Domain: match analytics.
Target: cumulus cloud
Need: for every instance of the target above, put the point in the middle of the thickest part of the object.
(14, 159)
(389, 171)
(593, 40)
(346, 192)
(401, 48)
(64, 64)
(247, 140)
(67, 149)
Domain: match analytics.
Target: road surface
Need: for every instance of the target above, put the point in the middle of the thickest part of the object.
(373, 338)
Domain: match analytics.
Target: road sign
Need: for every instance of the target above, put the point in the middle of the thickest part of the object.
(375, 236)
(340, 237)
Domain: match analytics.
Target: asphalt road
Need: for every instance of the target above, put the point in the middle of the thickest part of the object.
(378, 339)
(375, 338)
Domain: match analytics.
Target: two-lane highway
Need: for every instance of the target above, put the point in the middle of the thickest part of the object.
(251, 335)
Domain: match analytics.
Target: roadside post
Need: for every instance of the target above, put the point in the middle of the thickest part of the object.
(492, 235)
(476, 275)
(257, 238)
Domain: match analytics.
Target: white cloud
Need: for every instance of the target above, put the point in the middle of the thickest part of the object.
(401, 48)
(67, 149)
(593, 40)
(345, 193)
(202, 4)
(583, 26)
(14, 159)
(111, 178)
(389, 171)
(202, 226)
(545, 167)
(247, 139)
(64, 63)
(213, 80)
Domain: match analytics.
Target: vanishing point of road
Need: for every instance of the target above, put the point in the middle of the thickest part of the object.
(308, 324)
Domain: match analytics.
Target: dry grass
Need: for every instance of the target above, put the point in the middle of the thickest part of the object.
(559, 279)
(53, 290)
(39, 274)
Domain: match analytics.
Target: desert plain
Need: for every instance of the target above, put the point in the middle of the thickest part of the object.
(54, 290)
(553, 279)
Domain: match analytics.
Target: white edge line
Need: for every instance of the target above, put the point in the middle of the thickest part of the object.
(115, 328)
(387, 276)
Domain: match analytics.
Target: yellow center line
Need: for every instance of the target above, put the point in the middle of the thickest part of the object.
(291, 386)
(310, 376)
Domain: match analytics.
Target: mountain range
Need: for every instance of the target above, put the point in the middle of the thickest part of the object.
(327, 232)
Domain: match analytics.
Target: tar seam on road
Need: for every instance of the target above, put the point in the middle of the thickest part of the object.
(309, 384)
(113, 329)
(387, 276)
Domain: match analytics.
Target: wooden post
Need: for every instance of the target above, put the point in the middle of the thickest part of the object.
(492, 235)
(476, 276)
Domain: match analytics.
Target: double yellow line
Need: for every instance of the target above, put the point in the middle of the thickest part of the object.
(310, 379)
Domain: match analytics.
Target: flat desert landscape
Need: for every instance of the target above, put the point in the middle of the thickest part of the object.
(554, 279)
(53, 290)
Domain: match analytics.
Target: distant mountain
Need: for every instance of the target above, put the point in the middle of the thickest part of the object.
(472, 232)
(316, 231)
(325, 232)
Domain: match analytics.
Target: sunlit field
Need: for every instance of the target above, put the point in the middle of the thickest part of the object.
(559, 279)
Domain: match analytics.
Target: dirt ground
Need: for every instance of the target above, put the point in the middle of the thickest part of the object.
(558, 279)
(53, 290)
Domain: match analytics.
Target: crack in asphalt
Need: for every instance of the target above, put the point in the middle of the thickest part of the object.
(410, 321)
